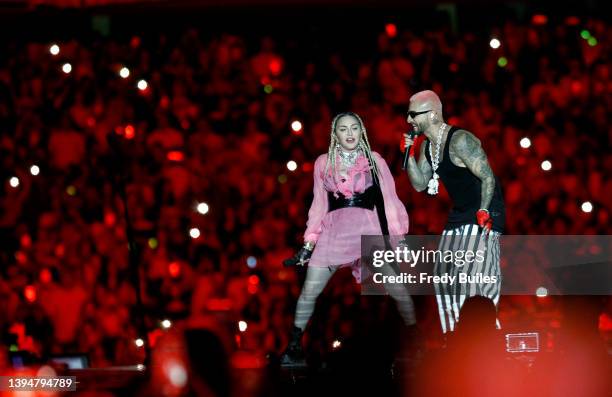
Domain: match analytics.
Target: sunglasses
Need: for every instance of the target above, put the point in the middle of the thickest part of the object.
(413, 114)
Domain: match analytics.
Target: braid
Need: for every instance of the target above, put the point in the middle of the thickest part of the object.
(331, 151)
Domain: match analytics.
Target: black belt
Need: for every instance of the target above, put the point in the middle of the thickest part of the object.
(366, 200)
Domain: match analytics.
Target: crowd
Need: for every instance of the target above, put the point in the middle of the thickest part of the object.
(209, 118)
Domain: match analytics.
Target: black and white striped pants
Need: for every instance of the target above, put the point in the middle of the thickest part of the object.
(450, 298)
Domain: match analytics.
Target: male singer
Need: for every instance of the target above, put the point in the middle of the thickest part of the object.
(456, 157)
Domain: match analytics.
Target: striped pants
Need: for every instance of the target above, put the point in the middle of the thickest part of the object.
(450, 298)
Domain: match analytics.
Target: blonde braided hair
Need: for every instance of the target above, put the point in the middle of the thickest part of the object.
(363, 145)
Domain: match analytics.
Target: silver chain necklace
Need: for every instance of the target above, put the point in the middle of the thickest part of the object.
(432, 186)
(348, 158)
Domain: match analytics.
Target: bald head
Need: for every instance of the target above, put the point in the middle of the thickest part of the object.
(426, 100)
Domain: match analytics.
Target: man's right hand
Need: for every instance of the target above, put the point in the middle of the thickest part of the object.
(408, 141)
(420, 171)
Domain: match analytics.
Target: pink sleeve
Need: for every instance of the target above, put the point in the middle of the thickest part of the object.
(397, 217)
(318, 208)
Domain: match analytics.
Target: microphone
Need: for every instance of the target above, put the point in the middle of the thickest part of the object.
(413, 134)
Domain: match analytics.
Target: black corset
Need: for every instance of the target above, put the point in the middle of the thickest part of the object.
(366, 200)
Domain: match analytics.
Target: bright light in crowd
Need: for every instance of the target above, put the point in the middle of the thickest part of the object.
(67, 68)
(177, 374)
(291, 165)
(54, 49)
(34, 170)
(174, 268)
(546, 165)
(242, 325)
(142, 85)
(539, 19)
(587, 206)
(391, 29)
(525, 143)
(139, 342)
(585, 34)
(194, 232)
(494, 43)
(45, 276)
(203, 208)
(124, 72)
(502, 62)
(129, 131)
(175, 155)
(541, 292)
(30, 293)
(296, 126)
(14, 181)
(336, 344)
(251, 262)
(166, 323)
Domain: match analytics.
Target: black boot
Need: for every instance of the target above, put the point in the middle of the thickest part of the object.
(293, 356)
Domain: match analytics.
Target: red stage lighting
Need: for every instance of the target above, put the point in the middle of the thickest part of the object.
(174, 268)
(454, 120)
(129, 131)
(30, 293)
(21, 257)
(539, 19)
(391, 29)
(26, 241)
(45, 276)
(175, 155)
(109, 219)
(164, 102)
(276, 66)
(572, 21)
(253, 280)
(576, 87)
(135, 42)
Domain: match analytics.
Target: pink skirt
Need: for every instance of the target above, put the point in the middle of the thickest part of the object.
(339, 243)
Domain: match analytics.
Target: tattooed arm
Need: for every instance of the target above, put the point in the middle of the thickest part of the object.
(467, 147)
(419, 173)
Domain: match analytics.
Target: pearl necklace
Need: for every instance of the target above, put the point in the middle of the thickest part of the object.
(348, 158)
(432, 186)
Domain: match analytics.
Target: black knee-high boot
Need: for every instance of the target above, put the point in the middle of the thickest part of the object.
(293, 356)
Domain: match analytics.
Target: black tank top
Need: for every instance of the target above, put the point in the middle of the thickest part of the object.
(464, 188)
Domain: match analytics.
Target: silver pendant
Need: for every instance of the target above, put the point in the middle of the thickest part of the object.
(432, 186)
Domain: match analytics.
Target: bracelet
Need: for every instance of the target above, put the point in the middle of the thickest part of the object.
(309, 245)
(484, 209)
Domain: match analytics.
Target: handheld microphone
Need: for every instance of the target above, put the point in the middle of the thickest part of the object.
(413, 135)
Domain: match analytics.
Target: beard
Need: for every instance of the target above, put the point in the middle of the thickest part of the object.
(417, 129)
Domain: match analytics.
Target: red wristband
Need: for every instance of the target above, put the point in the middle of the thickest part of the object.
(411, 151)
(484, 219)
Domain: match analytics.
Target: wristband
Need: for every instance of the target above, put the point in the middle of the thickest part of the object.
(411, 151)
